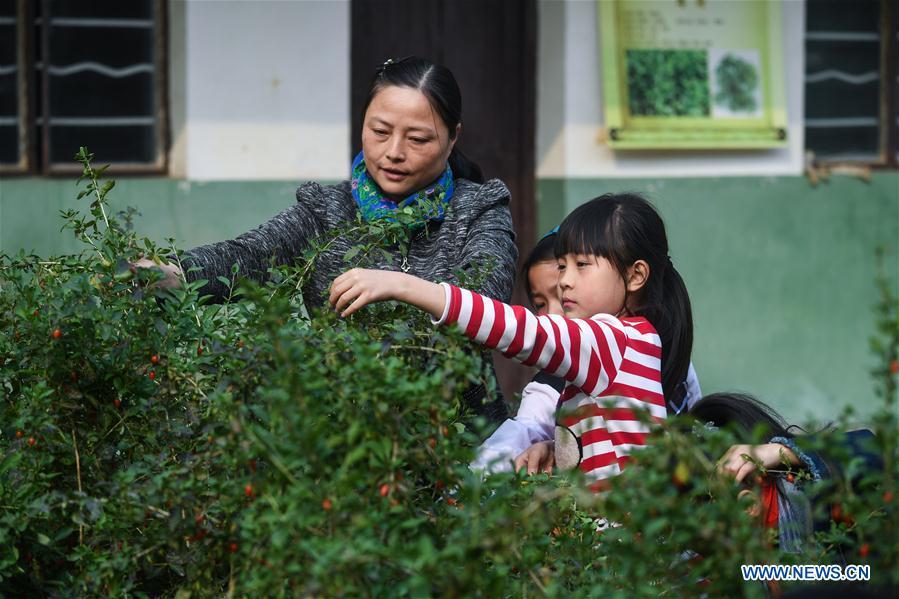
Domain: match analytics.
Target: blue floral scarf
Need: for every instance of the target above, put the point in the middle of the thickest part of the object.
(373, 204)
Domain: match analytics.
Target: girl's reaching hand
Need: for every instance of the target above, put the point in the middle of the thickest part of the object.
(741, 460)
(359, 287)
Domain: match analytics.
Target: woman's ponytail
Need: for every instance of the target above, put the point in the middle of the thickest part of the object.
(463, 168)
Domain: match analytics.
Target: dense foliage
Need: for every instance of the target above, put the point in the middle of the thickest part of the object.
(154, 445)
(667, 83)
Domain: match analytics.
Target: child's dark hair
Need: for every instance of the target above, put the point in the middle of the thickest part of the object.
(740, 412)
(439, 86)
(543, 251)
(624, 228)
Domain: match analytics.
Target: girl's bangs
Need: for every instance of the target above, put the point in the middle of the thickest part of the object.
(586, 231)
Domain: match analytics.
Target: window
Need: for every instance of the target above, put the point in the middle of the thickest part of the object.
(851, 85)
(82, 74)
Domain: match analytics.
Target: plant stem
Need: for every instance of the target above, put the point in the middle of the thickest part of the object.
(78, 478)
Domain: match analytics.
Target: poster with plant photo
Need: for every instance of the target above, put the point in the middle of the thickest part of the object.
(692, 74)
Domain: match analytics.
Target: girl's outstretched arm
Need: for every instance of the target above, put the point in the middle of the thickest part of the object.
(587, 352)
(359, 287)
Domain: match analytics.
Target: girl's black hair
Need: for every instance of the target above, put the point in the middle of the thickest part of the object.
(543, 251)
(624, 228)
(740, 412)
(439, 86)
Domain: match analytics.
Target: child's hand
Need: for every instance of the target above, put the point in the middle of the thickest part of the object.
(359, 287)
(539, 457)
(741, 460)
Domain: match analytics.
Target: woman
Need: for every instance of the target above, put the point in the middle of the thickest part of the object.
(412, 121)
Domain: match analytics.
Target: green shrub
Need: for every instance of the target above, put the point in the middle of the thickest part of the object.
(160, 446)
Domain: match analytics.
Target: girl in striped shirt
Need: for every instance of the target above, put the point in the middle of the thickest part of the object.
(622, 346)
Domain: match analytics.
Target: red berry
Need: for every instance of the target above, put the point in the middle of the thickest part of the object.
(863, 550)
(20, 434)
(790, 478)
(154, 359)
(57, 333)
(887, 496)
(450, 501)
(894, 367)
(32, 441)
(232, 548)
(117, 403)
(326, 504)
(248, 490)
(152, 375)
(384, 490)
(199, 350)
(432, 443)
(836, 512)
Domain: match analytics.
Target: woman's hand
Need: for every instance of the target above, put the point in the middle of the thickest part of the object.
(172, 275)
(359, 287)
(539, 457)
(742, 460)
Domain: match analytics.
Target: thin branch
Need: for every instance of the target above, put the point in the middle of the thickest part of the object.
(78, 478)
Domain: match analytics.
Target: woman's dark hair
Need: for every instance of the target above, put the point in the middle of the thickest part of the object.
(742, 413)
(543, 251)
(439, 86)
(624, 228)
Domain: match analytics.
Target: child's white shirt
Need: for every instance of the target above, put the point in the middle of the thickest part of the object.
(535, 422)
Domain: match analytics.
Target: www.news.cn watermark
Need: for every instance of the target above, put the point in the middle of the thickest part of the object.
(806, 572)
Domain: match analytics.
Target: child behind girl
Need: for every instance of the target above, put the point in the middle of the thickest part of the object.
(623, 346)
(536, 417)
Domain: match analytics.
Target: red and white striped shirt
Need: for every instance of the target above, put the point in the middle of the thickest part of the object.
(613, 369)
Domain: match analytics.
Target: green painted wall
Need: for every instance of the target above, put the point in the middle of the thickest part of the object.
(193, 213)
(780, 273)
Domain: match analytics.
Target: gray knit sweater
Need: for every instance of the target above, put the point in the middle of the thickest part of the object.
(476, 231)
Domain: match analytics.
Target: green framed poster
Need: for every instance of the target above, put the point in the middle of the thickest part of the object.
(685, 74)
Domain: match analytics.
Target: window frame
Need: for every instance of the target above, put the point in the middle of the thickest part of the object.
(30, 164)
(888, 111)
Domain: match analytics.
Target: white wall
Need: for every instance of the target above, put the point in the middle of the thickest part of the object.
(260, 89)
(570, 110)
